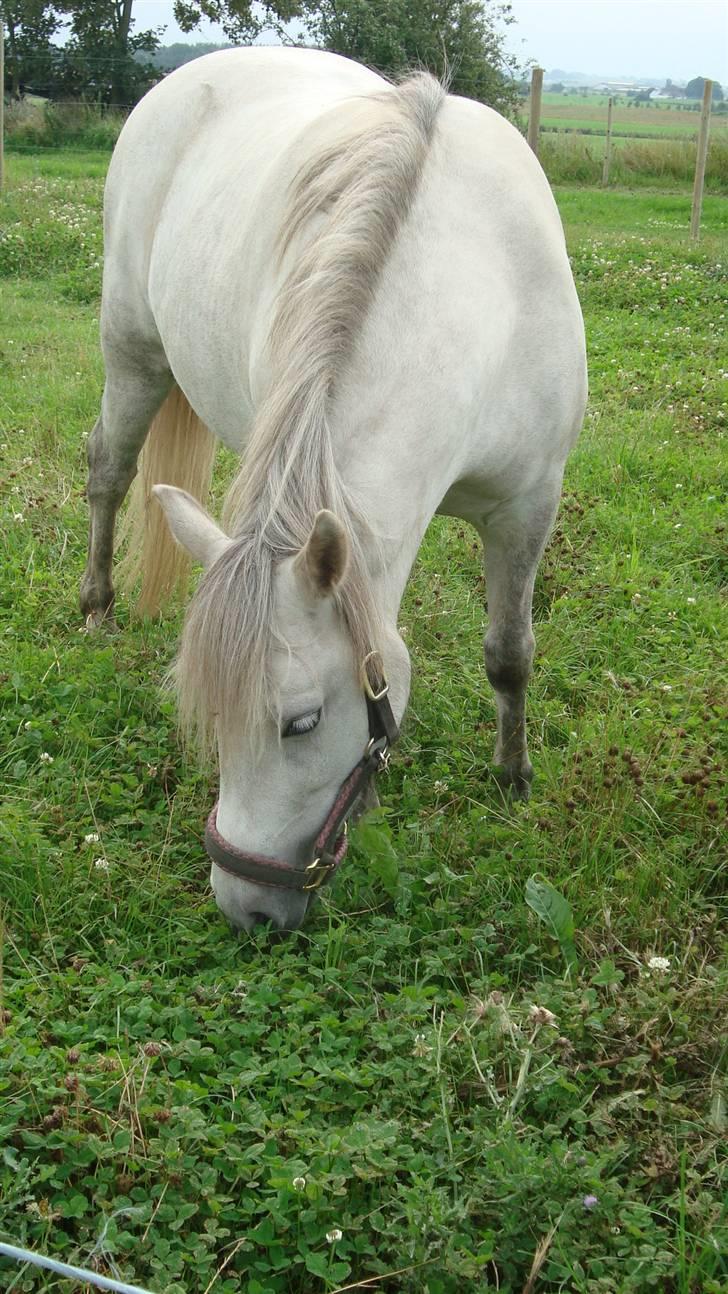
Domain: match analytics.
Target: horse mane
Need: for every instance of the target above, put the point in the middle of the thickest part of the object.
(360, 188)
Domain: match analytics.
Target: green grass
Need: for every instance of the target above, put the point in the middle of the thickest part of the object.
(226, 1104)
(658, 113)
(635, 163)
(653, 144)
(646, 130)
(38, 124)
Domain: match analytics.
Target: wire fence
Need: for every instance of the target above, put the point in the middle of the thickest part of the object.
(29, 1258)
(652, 141)
(109, 62)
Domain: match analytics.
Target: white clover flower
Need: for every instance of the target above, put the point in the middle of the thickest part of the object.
(101, 864)
(45, 758)
(420, 1048)
(440, 786)
(299, 1183)
(691, 602)
(334, 1235)
(541, 1015)
(659, 964)
(92, 838)
(18, 516)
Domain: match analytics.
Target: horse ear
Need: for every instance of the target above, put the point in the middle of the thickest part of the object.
(191, 526)
(325, 555)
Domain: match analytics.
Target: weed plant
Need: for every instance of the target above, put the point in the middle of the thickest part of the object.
(32, 124)
(579, 158)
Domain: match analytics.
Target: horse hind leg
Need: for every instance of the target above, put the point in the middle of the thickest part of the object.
(514, 537)
(132, 396)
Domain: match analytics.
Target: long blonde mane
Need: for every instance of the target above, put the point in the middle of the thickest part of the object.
(360, 188)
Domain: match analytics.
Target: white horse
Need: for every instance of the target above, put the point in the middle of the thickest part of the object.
(365, 288)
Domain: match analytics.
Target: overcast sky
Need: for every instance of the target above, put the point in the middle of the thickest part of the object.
(671, 38)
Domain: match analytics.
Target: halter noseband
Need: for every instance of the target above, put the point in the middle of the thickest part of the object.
(330, 846)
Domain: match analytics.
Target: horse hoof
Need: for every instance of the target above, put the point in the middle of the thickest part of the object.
(515, 785)
(520, 789)
(101, 620)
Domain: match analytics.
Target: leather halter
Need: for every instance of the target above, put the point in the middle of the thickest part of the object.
(330, 846)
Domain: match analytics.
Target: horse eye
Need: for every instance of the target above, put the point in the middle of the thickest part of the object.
(303, 724)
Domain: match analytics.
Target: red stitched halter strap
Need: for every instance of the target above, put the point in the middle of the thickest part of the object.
(330, 846)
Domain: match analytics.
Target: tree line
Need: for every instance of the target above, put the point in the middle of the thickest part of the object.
(91, 50)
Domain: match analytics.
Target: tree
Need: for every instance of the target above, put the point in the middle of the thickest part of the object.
(29, 53)
(169, 57)
(101, 59)
(240, 19)
(455, 39)
(695, 89)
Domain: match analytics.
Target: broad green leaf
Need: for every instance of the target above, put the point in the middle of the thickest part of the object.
(555, 912)
(317, 1264)
(374, 840)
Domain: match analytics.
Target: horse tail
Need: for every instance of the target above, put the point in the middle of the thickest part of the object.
(180, 450)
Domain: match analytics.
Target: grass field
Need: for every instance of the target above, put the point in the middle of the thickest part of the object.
(431, 1088)
(567, 112)
(653, 144)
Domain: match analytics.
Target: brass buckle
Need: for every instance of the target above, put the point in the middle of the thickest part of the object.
(373, 696)
(320, 872)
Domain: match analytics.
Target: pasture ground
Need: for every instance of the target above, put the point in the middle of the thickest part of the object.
(658, 118)
(383, 1095)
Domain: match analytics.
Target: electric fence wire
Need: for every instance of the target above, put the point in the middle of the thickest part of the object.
(65, 1269)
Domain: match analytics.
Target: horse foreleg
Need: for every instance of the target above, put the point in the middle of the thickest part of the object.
(514, 537)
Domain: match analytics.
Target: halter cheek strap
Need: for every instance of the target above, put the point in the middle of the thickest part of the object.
(331, 844)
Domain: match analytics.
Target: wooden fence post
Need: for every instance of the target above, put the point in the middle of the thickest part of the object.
(534, 109)
(608, 145)
(700, 161)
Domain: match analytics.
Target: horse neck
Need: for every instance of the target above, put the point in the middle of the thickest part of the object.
(395, 459)
(386, 479)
